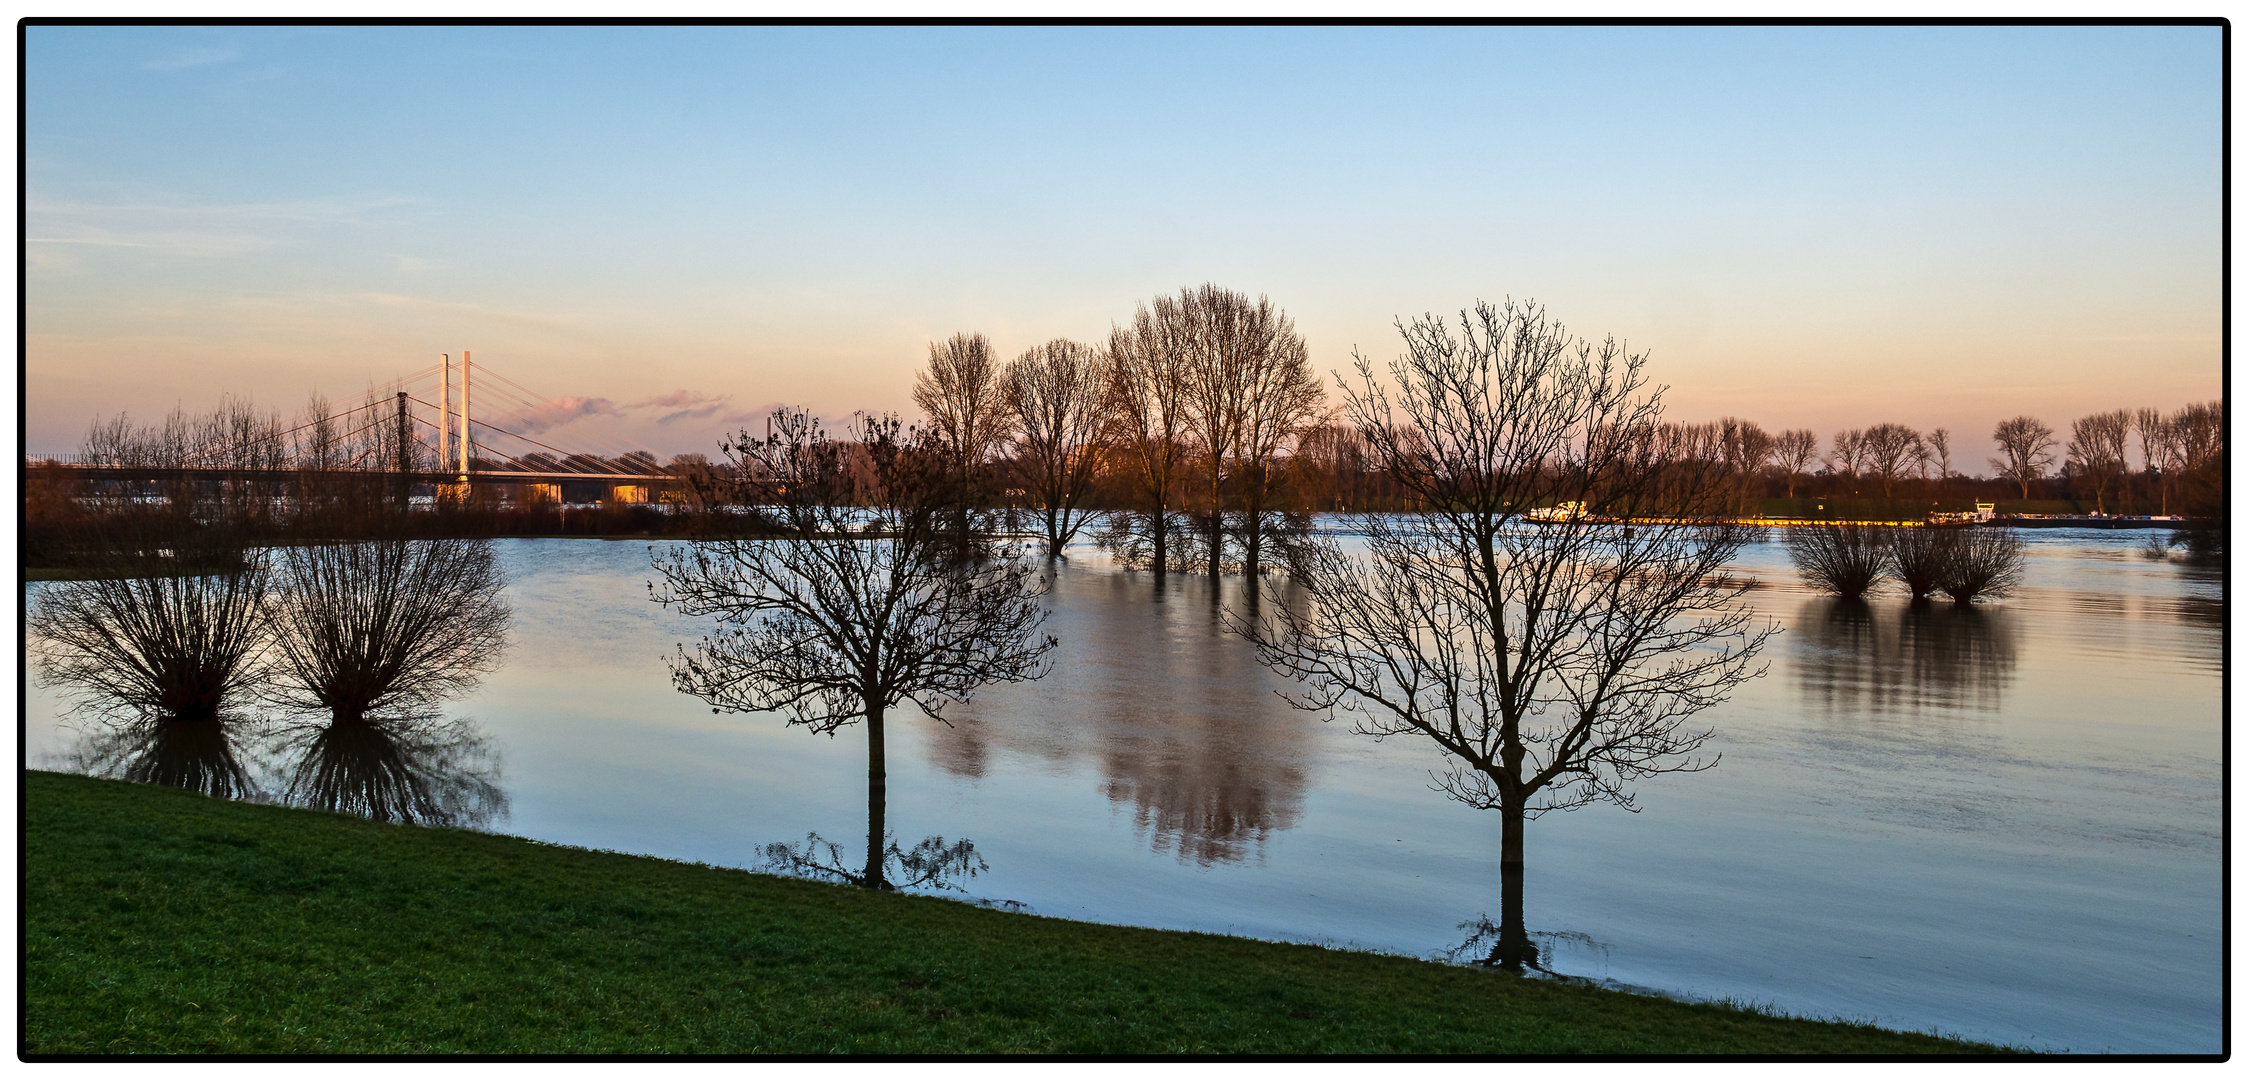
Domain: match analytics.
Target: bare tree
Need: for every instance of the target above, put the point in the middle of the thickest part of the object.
(1795, 450)
(1280, 401)
(1889, 451)
(1249, 389)
(1982, 562)
(1939, 453)
(1921, 556)
(853, 602)
(2198, 439)
(1844, 559)
(1147, 406)
(1848, 454)
(175, 635)
(1058, 391)
(962, 394)
(2152, 439)
(2097, 451)
(1552, 663)
(2027, 446)
(1748, 449)
(387, 626)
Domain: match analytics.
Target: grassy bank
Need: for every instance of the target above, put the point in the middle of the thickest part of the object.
(158, 921)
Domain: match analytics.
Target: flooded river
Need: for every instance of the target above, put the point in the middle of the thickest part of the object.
(2003, 823)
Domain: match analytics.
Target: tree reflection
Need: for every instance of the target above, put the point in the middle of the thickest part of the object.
(1179, 717)
(1851, 656)
(202, 755)
(411, 770)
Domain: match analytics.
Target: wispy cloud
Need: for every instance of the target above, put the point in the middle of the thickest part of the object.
(188, 229)
(683, 405)
(187, 58)
(554, 413)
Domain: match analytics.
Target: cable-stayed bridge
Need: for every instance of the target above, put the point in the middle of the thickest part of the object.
(426, 426)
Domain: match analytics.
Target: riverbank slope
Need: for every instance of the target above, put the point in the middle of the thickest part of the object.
(160, 921)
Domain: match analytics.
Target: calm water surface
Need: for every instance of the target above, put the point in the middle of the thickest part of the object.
(2003, 823)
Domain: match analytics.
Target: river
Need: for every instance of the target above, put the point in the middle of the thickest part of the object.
(2003, 824)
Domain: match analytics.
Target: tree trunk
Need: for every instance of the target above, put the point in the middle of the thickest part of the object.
(1514, 950)
(877, 797)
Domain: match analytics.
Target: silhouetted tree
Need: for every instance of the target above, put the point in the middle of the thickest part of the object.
(2097, 450)
(1982, 563)
(1281, 398)
(2026, 449)
(854, 601)
(962, 393)
(1147, 406)
(385, 627)
(1057, 391)
(1553, 664)
(1249, 391)
(174, 635)
(1844, 559)
(1938, 453)
(1748, 449)
(1795, 450)
(1921, 557)
(1848, 455)
(1889, 451)
(2149, 425)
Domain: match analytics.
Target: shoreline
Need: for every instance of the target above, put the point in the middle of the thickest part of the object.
(158, 920)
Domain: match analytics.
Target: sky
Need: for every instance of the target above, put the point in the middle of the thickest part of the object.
(661, 233)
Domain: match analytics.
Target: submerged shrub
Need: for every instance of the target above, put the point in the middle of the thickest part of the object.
(385, 626)
(1845, 560)
(1919, 555)
(172, 636)
(1985, 563)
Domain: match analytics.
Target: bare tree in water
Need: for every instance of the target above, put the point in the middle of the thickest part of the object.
(370, 636)
(167, 638)
(1250, 391)
(964, 396)
(1057, 391)
(172, 632)
(1552, 663)
(1147, 409)
(385, 627)
(850, 601)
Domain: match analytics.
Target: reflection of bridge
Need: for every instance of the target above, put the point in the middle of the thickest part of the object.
(418, 429)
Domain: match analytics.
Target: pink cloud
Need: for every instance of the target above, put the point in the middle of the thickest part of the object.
(683, 405)
(555, 413)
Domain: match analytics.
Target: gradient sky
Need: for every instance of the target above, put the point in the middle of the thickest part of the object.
(674, 229)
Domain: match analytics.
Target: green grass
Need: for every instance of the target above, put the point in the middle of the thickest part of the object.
(159, 921)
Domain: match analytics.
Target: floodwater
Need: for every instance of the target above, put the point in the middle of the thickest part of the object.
(2004, 823)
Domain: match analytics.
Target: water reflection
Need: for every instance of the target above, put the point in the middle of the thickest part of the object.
(1852, 656)
(413, 770)
(1209, 768)
(328, 673)
(203, 755)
